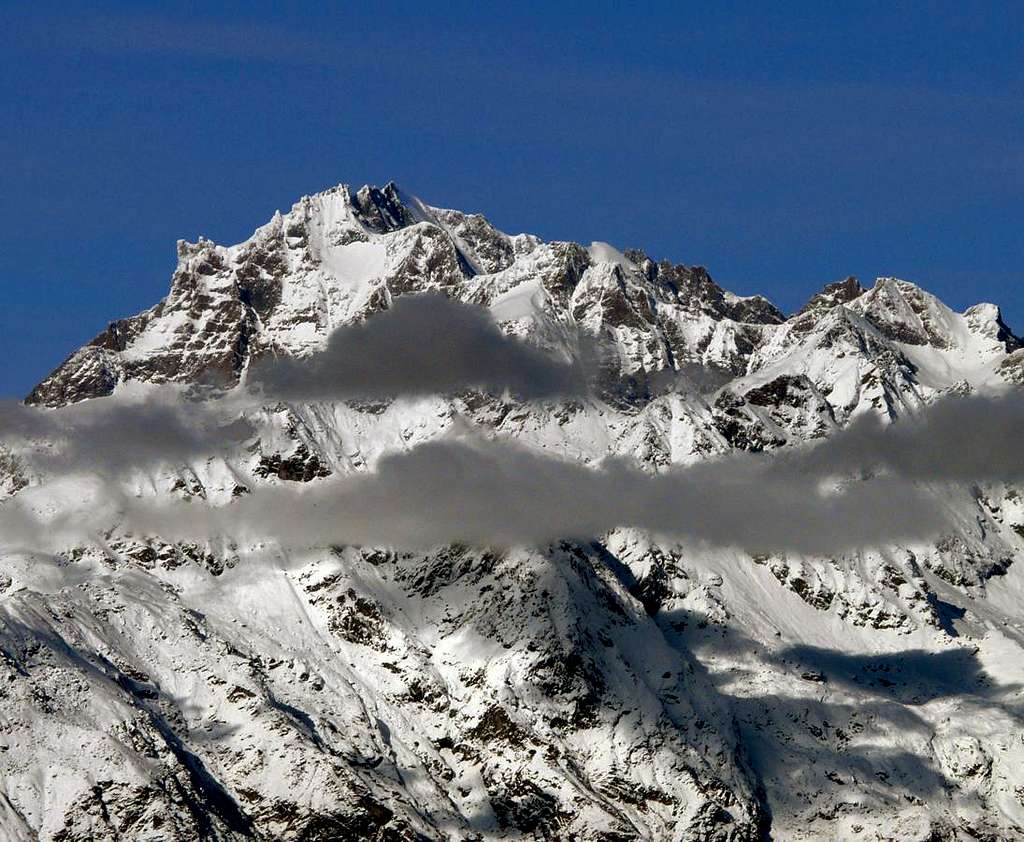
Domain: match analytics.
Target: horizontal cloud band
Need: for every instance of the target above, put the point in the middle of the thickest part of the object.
(860, 487)
(499, 494)
(865, 486)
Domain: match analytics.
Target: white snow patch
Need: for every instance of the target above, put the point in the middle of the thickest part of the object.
(606, 253)
(520, 302)
(356, 263)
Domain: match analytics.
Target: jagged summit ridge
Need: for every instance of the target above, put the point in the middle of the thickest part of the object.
(339, 255)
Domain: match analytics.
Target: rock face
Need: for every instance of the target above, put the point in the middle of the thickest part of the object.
(616, 689)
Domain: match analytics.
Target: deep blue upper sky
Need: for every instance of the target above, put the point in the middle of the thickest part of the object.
(782, 148)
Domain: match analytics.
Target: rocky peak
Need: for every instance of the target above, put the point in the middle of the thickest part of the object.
(639, 258)
(487, 248)
(841, 292)
(382, 210)
(987, 320)
(905, 313)
(692, 288)
(692, 285)
(751, 309)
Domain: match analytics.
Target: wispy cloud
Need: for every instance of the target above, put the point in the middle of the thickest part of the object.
(111, 436)
(424, 344)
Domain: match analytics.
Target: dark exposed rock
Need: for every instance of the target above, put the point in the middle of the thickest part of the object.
(491, 249)
(496, 726)
(693, 287)
(524, 806)
(741, 428)
(786, 389)
(382, 210)
(358, 620)
(841, 292)
(88, 373)
(300, 466)
(652, 589)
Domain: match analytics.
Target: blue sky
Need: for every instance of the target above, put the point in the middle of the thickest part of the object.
(782, 147)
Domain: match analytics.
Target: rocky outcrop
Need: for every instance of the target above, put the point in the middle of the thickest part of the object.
(833, 295)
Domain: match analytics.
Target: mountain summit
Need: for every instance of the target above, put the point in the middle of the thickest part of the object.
(614, 687)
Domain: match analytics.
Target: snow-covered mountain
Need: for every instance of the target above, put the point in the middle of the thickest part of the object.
(616, 689)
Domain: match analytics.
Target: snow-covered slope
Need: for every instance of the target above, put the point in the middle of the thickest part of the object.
(614, 689)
